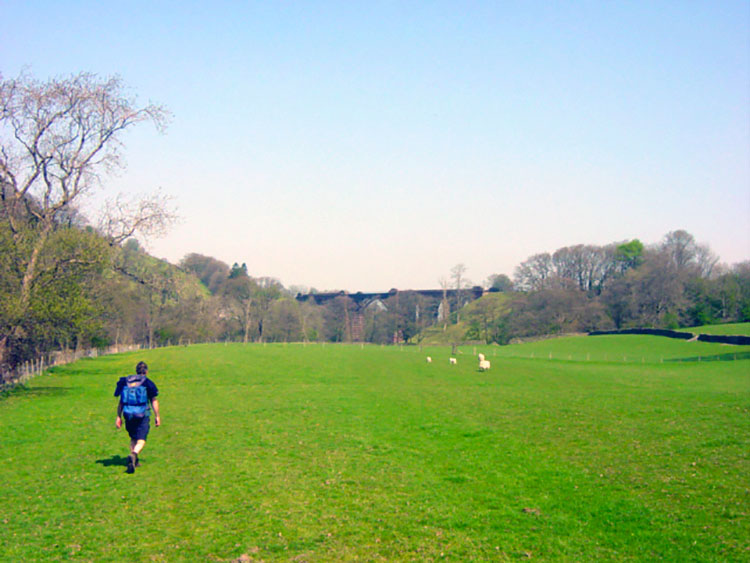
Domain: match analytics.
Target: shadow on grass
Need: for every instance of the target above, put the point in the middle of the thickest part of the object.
(715, 358)
(115, 460)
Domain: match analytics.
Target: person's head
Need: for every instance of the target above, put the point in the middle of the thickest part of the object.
(141, 368)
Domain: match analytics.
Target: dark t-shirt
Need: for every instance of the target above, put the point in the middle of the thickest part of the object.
(151, 389)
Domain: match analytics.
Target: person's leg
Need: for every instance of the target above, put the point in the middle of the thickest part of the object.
(138, 442)
(131, 456)
(132, 462)
(133, 426)
(135, 448)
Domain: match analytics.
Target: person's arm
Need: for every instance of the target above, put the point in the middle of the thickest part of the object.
(155, 406)
(118, 420)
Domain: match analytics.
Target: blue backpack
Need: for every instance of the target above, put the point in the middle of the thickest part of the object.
(135, 396)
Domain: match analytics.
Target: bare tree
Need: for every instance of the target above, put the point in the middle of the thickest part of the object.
(57, 140)
(459, 283)
(587, 266)
(239, 293)
(444, 310)
(534, 273)
(681, 248)
(707, 261)
(123, 217)
(689, 256)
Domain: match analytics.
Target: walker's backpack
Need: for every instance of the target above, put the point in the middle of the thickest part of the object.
(135, 396)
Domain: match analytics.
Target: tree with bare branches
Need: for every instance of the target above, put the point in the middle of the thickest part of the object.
(58, 139)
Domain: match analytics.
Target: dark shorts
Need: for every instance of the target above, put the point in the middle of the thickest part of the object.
(137, 427)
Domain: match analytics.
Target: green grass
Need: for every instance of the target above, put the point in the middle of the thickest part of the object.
(617, 349)
(731, 329)
(324, 453)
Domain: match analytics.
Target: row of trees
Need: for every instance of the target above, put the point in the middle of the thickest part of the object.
(676, 283)
(70, 282)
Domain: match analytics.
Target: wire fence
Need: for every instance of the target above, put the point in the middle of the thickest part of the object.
(22, 373)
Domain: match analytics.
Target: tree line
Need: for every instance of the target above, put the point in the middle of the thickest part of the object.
(68, 281)
(675, 283)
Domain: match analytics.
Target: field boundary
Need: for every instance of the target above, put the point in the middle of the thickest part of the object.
(31, 368)
(736, 340)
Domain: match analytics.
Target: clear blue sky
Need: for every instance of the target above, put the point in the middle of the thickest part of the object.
(370, 145)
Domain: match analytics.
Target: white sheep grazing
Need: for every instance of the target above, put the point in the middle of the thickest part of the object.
(481, 357)
(453, 361)
(484, 365)
(429, 360)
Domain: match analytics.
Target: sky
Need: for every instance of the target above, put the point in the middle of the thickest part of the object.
(366, 146)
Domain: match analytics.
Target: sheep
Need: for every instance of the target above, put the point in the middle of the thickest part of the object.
(429, 360)
(481, 357)
(484, 365)
(453, 361)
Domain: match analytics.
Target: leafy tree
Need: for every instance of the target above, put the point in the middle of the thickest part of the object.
(238, 271)
(555, 311)
(652, 295)
(378, 326)
(404, 317)
(734, 293)
(283, 324)
(704, 302)
(267, 291)
(499, 282)
(337, 319)
(311, 321)
(487, 318)
(155, 290)
(211, 272)
(239, 293)
(629, 255)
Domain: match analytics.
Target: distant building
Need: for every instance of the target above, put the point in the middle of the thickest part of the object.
(435, 305)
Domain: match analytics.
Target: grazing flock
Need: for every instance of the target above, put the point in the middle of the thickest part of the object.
(484, 364)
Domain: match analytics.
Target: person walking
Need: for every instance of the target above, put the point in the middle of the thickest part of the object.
(136, 393)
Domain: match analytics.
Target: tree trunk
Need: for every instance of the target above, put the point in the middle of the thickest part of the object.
(30, 274)
(3, 352)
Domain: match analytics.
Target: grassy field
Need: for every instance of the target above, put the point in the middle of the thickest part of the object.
(328, 453)
(618, 349)
(742, 329)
